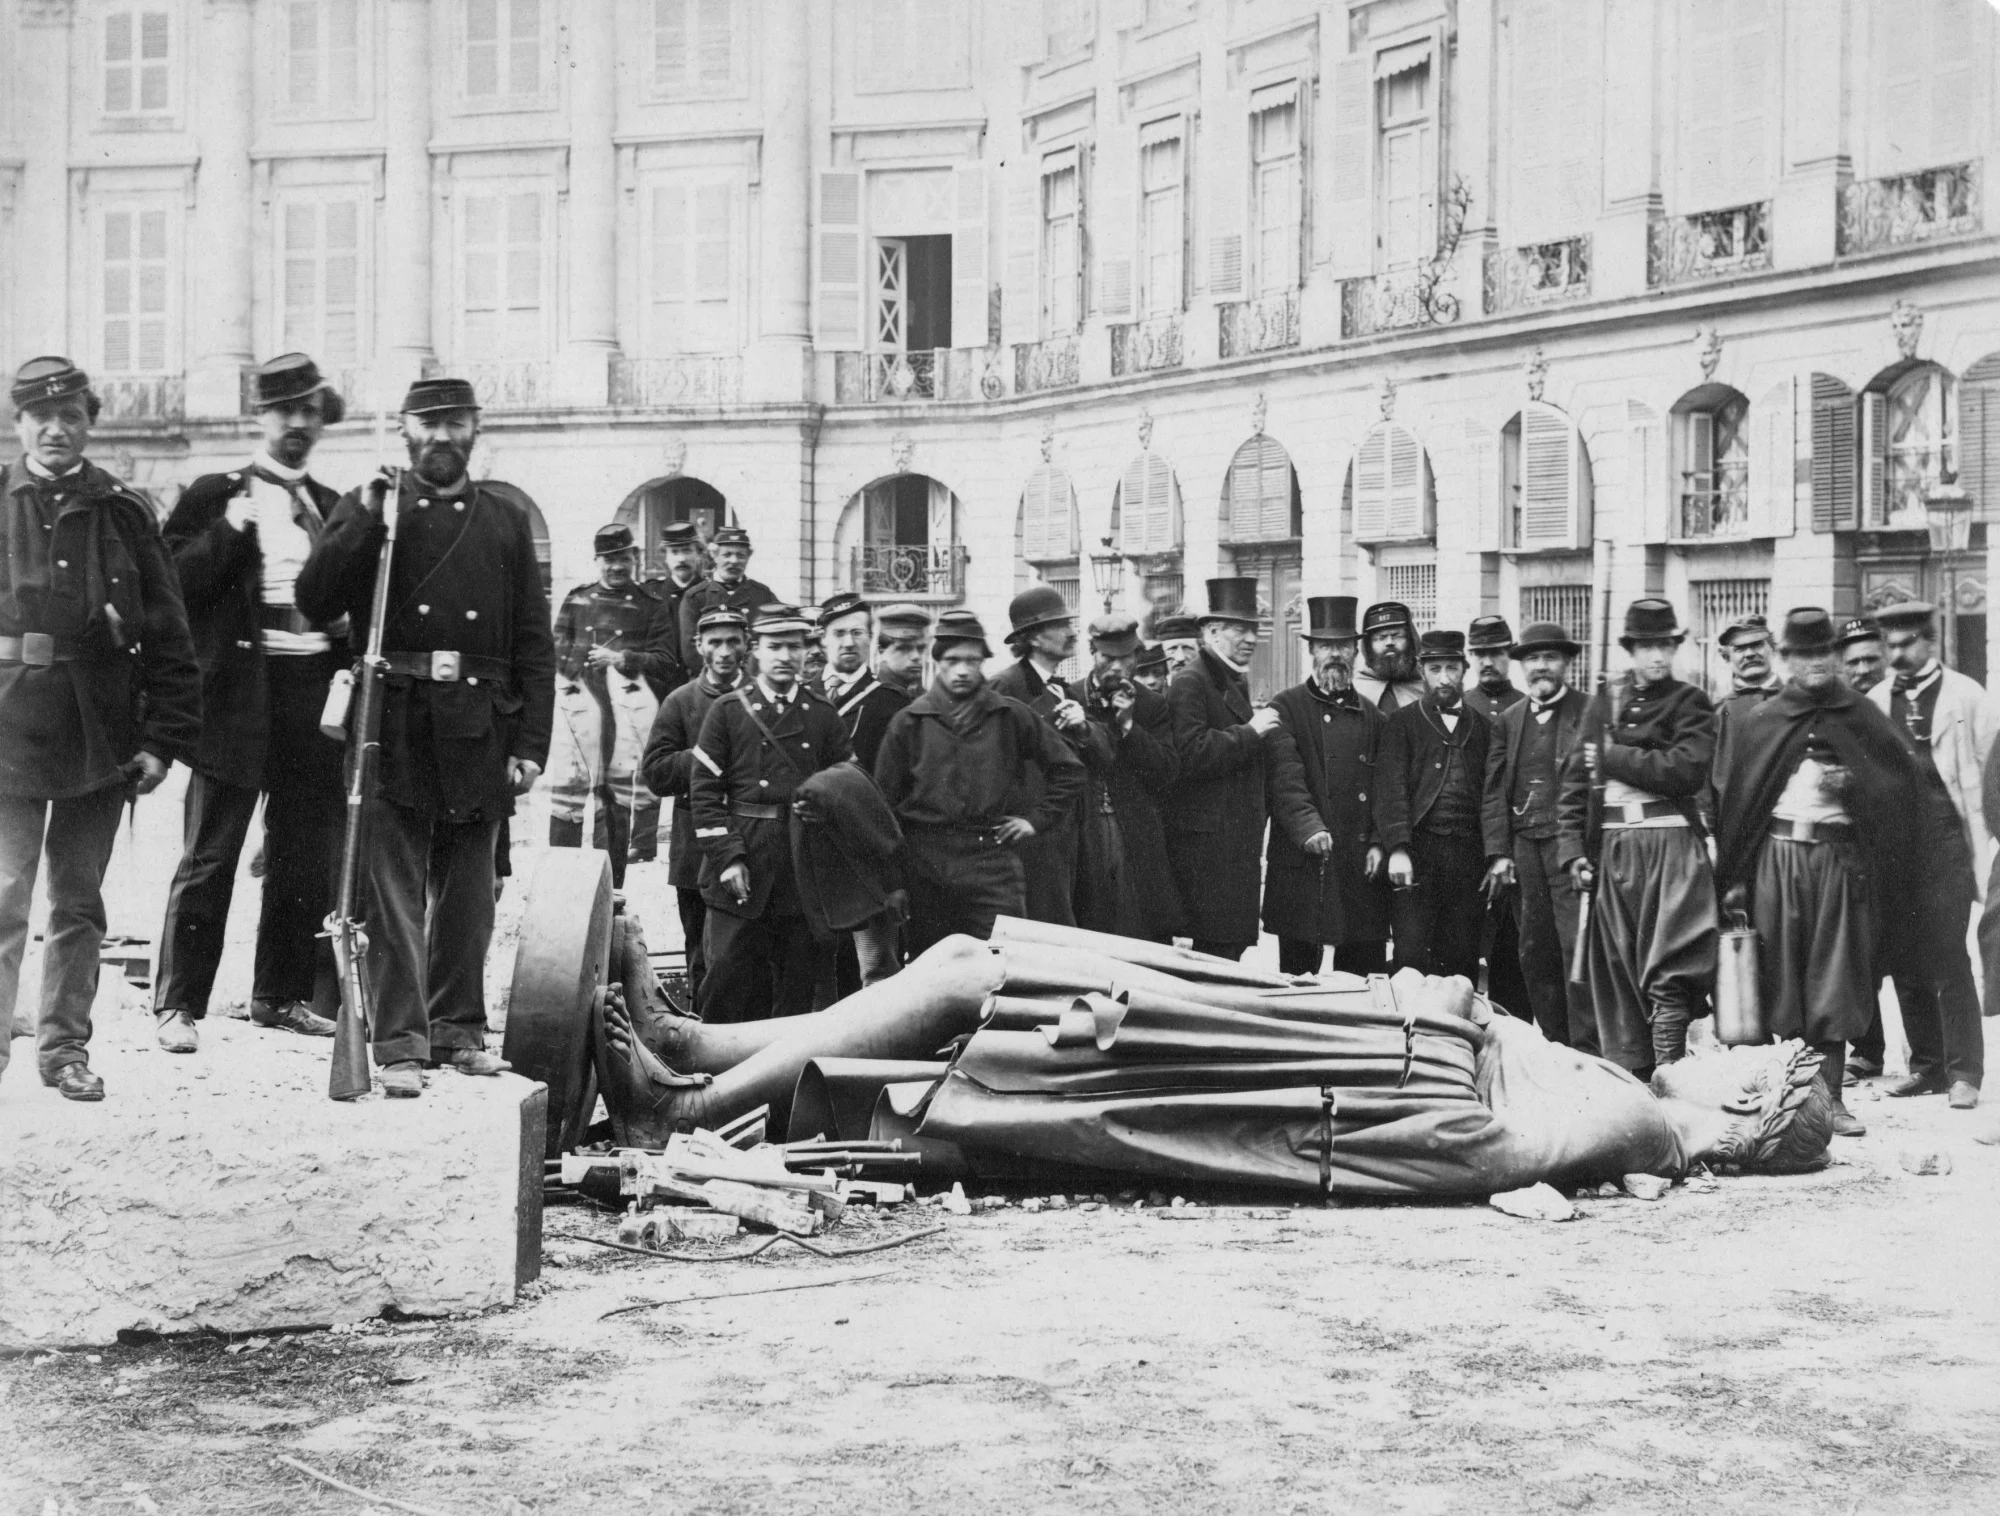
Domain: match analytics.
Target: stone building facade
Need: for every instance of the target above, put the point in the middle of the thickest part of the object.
(1481, 304)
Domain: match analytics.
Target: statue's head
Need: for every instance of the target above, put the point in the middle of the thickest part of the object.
(1778, 1116)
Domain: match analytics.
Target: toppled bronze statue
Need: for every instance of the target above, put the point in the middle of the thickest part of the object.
(1072, 1047)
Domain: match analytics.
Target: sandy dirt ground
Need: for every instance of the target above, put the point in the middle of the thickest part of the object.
(1820, 1344)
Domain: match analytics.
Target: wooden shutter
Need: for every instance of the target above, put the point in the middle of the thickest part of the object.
(321, 279)
(1148, 507)
(1112, 229)
(1020, 301)
(667, 293)
(712, 273)
(1225, 149)
(838, 307)
(1978, 445)
(1725, 103)
(1549, 482)
(1927, 64)
(1835, 507)
(1048, 516)
(1646, 483)
(1408, 499)
(1874, 458)
(1773, 462)
(1351, 153)
(502, 301)
(968, 257)
(1371, 487)
(1483, 469)
(715, 46)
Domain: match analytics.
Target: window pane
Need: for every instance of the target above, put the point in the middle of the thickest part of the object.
(117, 290)
(117, 236)
(117, 90)
(153, 87)
(525, 68)
(118, 346)
(715, 59)
(153, 35)
(152, 289)
(153, 234)
(118, 37)
(343, 23)
(343, 222)
(482, 20)
(482, 69)
(524, 18)
(670, 43)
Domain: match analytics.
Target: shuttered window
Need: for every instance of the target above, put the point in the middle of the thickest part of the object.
(137, 294)
(1261, 494)
(1278, 175)
(1062, 244)
(1906, 446)
(1728, 95)
(1551, 481)
(1555, 82)
(694, 48)
(1048, 517)
(1406, 168)
(1162, 216)
(322, 56)
(1835, 500)
(838, 307)
(1979, 437)
(138, 60)
(503, 49)
(1929, 99)
(320, 256)
(1391, 487)
(691, 293)
(503, 297)
(1148, 508)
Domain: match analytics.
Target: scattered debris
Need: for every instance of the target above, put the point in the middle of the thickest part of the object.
(1538, 1202)
(1702, 1182)
(769, 1289)
(1646, 1186)
(955, 1203)
(1922, 1161)
(359, 1494)
(1180, 1210)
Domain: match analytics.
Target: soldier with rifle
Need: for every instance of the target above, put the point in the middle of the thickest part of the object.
(465, 665)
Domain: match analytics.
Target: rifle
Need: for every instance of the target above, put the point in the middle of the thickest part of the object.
(1595, 727)
(349, 1078)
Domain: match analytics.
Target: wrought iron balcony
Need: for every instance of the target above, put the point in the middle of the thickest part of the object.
(1140, 347)
(1711, 245)
(1542, 273)
(161, 397)
(1051, 364)
(933, 572)
(1720, 507)
(684, 379)
(945, 373)
(1905, 208)
(1380, 303)
(1258, 326)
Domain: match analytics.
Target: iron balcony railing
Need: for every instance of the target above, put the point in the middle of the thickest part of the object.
(1140, 347)
(1905, 208)
(1263, 325)
(1542, 273)
(1715, 505)
(682, 379)
(1053, 363)
(1710, 245)
(926, 572)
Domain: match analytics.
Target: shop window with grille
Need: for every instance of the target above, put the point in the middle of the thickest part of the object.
(1714, 604)
(1569, 607)
(1415, 585)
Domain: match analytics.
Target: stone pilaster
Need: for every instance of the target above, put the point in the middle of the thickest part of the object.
(404, 343)
(583, 370)
(776, 367)
(221, 343)
(40, 242)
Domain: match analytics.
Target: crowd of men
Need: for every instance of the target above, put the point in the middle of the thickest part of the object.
(836, 810)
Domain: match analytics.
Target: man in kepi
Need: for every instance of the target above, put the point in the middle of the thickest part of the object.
(952, 764)
(1215, 815)
(1810, 827)
(239, 540)
(1948, 723)
(1389, 657)
(469, 698)
(1650, 955)
(1323, 884)
(1861, 659)
(1532, 740)
(731, 586)
(758, 744)
(1747, 649)
(1042, 640)
(614, 663)
(1427, 800)
(680, 544)
(722, 641)
(99, 693)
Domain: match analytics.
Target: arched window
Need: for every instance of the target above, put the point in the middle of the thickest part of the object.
(1045, 534)
(1146, 524)
(1712, 463)
(538, 527)
(1908, 430)
(898, 539)
(1262, 522)
(660, 503)
(1394, 497)
(1260, 498)
(1546, 482)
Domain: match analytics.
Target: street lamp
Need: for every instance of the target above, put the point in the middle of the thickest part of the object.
(1948, 521)
(1107, 572)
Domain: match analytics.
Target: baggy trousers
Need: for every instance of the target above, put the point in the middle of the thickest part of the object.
(1546, 904)
(76, 836)
(960, 880)
(1815, 945)
(429, 909)
(1651, 953)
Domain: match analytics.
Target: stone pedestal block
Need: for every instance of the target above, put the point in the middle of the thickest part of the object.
(224, 1190)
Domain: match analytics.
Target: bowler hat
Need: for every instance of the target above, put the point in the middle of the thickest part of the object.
(1114, 635)
(1808, 629)
(1650, 620)
(846, 603)
(904, 619)
(722, 618)
(954, 627)
(730, 536)
(1038, 605)
(1152, 659)
(612, 539)
(1232, 600)
(1330, 618)
(1541, 636)
(1384, 614)
(772, 620)
(1178, 627)
(1906, 613)
(1744, 629)
(680, 534)
(1489, 634)
(293, 376)
(427, 396)
(1858, 629)
(47, 378)
(1441, 644)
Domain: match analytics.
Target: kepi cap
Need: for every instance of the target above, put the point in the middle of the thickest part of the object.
(428, 396)
(1745, 629)
(680, 534)
(611, 540)
(722, 618)
(903, 619)
(1857, 629)
(954, 627)
(730, 536)
(837, 607)
(1906, 613)
(1489, 634)
(778, 619)
(47, 378)
(1384, 614)
(1178, 627)
(1441, 643)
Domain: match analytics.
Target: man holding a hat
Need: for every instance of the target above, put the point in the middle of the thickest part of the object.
(1042, 639)
(954, 764)
(758, 744)
(730, 586)
(615, 660)
(466, 716)
(239, 540)
(1389, 658)
(1180, 640)
(1323, 884)
(1811, 838)
(1861, 658)
(1427, 802)
(1948, 723)
(722, 641)
(1650, 954)
(1532, 740)
(99, 693)
(1216, 814)
(680, 544)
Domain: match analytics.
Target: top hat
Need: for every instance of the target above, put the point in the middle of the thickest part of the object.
(1115, 635)
(1540, 636)
(776, 619)
(1906, 613)
(680, 534)
(1384, 614)
(837, 607)
(1744, 629)
(1232, 600)
(294, 376)
(1152, 659)
(1650, 620)
(48, 378)
(1038, 605)
(610, 540)
(958, 626)
(1857, 629)
(426, 396)
(1178, 627)
(904, 619)
(1441, 644)
(1489, 634)
(1808, 629)
(1330, 618)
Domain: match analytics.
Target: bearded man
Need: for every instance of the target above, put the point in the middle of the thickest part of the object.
(466, 715)
(1389, 657)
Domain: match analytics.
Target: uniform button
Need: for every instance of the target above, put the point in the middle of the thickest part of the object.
(763, 784)
(423, 610)
(1362, 796)
(472, 615)
(1326, 718)
(473, 680)
(458, 505)
(62, 563)
(423, 502)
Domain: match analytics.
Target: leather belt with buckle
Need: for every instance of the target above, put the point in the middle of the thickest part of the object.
(445, 666)
(756, 812)
(1808, 831)
(1634, 812)
(36, 650)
